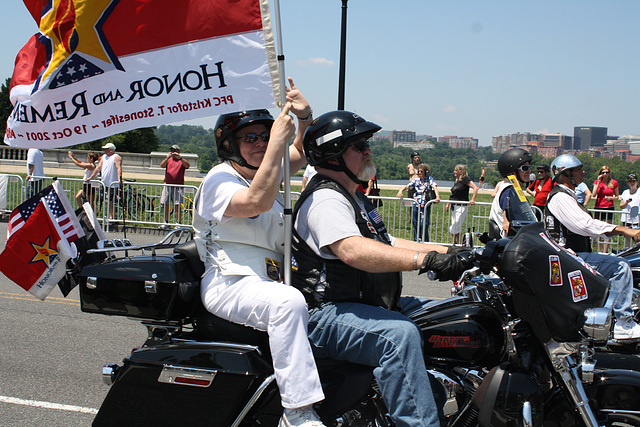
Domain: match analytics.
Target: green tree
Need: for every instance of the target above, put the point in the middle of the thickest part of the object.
(5, 105)
(143, 140)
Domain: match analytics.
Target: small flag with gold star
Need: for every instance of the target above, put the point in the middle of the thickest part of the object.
(36, 255)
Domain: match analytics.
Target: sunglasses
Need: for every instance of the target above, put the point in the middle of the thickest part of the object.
(605, 172)
(360, 146)
(253, 137)
(525, 168)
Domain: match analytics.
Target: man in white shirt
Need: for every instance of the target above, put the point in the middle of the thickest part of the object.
(573, 227)
(35, 171)
(110, 165)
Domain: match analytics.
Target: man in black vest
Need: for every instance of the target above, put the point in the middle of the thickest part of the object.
(348, 267)
(572, 226)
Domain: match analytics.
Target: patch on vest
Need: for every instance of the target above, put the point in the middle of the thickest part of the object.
(272, 267)
(555, 272)
(578, 287)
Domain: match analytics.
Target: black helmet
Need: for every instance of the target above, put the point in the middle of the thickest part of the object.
(328, 137)
(512, 159)
(543, 167)
(414, 153)
(229, 124)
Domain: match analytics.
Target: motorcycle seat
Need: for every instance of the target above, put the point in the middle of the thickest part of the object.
(189, 251)
(212, 327)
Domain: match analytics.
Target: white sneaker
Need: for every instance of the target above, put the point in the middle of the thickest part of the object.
(304, 416)
(626, 330)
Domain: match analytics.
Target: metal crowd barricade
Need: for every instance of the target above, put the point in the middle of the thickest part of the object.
(11, 192)
(141, 203)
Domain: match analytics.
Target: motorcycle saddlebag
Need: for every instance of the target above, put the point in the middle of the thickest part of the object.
(552, 287)
(189, 384)
(159, 287)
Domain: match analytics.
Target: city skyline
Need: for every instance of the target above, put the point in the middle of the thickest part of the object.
(465, 68)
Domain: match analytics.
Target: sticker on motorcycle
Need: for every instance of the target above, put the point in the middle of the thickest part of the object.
(273, 268)
(555, 272)
(578, 287)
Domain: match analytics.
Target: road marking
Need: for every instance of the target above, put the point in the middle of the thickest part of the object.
(48, 405)
(28, 297)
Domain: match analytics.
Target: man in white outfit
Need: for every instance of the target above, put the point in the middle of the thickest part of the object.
(35, 171)
(110, 166)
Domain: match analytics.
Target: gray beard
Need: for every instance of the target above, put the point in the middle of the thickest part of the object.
(367, 171)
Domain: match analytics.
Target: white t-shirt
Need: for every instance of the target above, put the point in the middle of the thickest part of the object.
(35, 158)
(635, 201)
(309, 172)
(328, 228)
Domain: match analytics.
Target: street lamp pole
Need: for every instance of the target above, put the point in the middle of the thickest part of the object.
(343, 56)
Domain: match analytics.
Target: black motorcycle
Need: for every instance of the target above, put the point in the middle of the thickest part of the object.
(514, 347)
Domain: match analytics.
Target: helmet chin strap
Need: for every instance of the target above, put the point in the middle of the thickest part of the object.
(569, 174)
(342, 167)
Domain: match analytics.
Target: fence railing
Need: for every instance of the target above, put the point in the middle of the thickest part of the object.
(163, 205)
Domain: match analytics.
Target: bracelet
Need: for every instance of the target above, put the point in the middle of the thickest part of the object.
(308, 118)
(415, 260)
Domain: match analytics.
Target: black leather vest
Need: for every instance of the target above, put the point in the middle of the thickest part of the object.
(573, 241)
(322, 279)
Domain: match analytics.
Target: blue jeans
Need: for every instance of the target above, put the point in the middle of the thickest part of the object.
(387, 340)
(618, 272)
(420, 216)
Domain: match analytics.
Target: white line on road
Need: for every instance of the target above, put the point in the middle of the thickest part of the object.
(48, 405)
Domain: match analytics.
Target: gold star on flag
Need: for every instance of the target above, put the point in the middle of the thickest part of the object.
(71, 25)
(43, 252)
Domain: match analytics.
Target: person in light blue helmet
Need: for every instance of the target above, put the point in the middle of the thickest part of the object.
(572, 226)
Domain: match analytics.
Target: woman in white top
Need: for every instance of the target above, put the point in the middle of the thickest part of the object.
(629, 199)
(85, 193)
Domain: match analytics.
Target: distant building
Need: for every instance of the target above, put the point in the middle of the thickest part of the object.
(585, 137)
(500, 144)
(401, 137)
(459, 142)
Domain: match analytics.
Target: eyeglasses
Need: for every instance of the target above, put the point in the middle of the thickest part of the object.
(525, 168)
(360, 146)
(253, 137)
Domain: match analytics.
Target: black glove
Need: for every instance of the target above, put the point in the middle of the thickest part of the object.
(457, 249)
(446, 266)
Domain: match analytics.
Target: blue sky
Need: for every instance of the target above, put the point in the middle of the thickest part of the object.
(475, 68)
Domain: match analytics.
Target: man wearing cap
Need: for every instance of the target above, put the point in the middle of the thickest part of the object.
(110, 166)
(174, 165)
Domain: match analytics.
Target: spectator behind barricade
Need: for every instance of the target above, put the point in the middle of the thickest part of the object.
(539, 189)
(630, 203)
(306, 177)
(86, 193)
(583, 194)
(35, 171)
(460, 192)
(481, 180)
(606, 191)
(412, 170)
(175, 165)
(110, 168)
(425, 190)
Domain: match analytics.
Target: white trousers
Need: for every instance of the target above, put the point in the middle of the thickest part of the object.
(282, 312)
(458, 216)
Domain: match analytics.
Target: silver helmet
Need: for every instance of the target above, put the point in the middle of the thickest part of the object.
(562, 163)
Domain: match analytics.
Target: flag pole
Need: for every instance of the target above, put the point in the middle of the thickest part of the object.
(287, 167)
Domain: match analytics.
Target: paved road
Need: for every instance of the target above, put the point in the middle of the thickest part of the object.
(52, 353)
